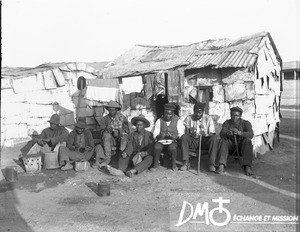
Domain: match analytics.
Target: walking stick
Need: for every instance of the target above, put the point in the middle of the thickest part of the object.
(237, 151)
(199, 155)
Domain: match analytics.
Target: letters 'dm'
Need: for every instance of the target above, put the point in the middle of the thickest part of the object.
(199, 211)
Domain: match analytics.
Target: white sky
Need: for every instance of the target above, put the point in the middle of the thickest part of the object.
(39, 31)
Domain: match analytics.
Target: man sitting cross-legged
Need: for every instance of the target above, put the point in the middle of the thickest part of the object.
(80, 146)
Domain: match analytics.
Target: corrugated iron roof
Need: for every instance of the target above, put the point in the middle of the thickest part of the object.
(222, 53)
(238, 53)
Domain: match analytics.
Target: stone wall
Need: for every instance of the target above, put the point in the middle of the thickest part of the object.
(27, 102)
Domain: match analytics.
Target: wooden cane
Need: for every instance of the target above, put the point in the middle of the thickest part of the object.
(237, 150)
(199, 155)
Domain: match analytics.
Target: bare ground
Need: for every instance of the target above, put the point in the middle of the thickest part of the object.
(56, 200)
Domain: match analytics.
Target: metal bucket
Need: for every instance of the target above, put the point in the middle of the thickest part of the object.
(11, 173)
(51, 160)
(82, 166)
(103, 189)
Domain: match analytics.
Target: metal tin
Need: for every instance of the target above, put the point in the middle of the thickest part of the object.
(11, 174)
(51, 160)
(82, 166)
(103, 189)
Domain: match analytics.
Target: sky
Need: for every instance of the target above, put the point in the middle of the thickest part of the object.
(42, 31)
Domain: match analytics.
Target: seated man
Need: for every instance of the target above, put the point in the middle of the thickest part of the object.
(199, 124)
(80, 146)
(169, 126)
(51, 138)
(114, 129)
(138, 149)
(34, 138)
(240, 131)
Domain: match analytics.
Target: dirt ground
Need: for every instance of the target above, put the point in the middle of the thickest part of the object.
(56, 200)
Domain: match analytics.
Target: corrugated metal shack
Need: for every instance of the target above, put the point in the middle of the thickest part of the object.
(29, 96)
(244, 72)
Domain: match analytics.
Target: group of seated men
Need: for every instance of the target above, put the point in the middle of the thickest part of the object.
(141, 148)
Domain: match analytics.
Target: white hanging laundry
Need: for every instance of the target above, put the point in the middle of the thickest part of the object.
(102, 90)
(132, 84)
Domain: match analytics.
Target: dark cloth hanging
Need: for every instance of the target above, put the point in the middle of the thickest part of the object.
(175, 85)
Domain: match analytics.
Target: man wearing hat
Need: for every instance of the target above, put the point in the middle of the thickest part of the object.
(196, 125)
(236, 130)
(114, 131)
(51, 138)
(80, 145)
(168, 127)
(138, 149)
(34, 138)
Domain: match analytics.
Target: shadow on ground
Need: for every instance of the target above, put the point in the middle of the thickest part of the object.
(257, 192)
(10, 218)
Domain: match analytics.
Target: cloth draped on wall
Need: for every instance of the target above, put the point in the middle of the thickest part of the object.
(236, 91)
(132, 84)
(102, 90)
(149, 81)
(159, 85)
(154, 85)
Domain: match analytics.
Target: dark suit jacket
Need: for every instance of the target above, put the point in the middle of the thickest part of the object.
(243, 125)
(59, 135)
(133, 143)
(89, 141)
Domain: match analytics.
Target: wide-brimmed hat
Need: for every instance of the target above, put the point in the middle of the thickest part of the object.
(169, 106)
(136, 159)
(35, 133)
(81, 123)
(237, 109)
(55, 119)
(113, 104)
(140, 118)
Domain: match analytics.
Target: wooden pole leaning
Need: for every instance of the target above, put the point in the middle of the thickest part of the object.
(237, 151)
